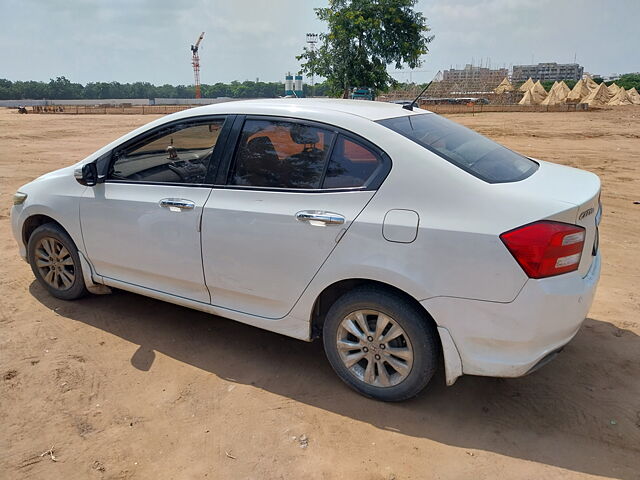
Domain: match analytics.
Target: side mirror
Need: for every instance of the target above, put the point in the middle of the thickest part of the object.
(87, 175)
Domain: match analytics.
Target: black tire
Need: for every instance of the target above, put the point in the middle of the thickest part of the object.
(421, 333)
(51, 233)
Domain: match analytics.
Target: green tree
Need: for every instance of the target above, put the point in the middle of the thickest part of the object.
(629, 80)
(364, 36)
(62, 87)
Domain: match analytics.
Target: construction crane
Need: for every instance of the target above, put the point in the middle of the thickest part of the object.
(195, 61)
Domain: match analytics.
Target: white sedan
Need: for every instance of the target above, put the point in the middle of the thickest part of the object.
(403, 239)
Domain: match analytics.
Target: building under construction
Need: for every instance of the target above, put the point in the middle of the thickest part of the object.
(472, 73)
(470, 81)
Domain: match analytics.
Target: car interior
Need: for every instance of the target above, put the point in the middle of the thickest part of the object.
(182, 156)
(287, 155)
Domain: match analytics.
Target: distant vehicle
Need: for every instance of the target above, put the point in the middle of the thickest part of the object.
(397, 236)
(363, 93)
(22, 109)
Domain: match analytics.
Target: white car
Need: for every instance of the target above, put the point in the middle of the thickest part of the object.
(401, 238)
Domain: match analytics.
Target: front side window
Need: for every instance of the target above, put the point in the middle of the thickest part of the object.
(463, 147)
(181, 156)
(281, 154)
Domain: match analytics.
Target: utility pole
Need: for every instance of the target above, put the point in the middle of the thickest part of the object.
(312, 39)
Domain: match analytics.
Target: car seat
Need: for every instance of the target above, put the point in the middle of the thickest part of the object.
(258, 164)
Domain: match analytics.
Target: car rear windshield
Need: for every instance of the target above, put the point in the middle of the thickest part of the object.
(464, 148)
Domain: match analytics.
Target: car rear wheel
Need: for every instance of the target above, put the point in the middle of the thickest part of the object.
(380, 344)
(55, 262)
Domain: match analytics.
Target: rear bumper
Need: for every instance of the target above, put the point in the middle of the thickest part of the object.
(510, 339)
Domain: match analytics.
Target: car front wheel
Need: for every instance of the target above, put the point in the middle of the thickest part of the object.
(55, 262)
(380, 344)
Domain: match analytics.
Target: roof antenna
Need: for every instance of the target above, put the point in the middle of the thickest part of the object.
(415, 100)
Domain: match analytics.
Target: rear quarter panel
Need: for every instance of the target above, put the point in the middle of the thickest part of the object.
(457, 252)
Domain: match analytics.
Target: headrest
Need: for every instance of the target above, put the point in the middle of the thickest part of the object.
(260, 145)
(304, 135)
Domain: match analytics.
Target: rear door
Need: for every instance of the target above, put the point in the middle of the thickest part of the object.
(291, 190)
(142, 225)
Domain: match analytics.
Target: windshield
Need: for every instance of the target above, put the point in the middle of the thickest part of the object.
(463, 147)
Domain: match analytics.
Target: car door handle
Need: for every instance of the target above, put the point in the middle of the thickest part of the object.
(177, 204)
(320, 218)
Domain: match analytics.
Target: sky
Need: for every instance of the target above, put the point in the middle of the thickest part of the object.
(149, 40)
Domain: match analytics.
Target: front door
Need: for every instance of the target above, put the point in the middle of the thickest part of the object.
(292, 190)
(142, 225)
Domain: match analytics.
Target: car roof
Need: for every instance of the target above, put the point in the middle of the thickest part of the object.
(368, 109)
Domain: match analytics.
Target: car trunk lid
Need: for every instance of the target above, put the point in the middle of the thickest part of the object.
(571, 186)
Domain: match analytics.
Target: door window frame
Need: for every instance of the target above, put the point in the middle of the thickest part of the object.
(165, 129)
(233, 143)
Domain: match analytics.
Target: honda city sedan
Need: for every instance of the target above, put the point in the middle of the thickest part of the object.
(401, 239)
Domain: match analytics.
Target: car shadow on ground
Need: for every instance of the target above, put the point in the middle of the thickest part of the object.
(588, 397)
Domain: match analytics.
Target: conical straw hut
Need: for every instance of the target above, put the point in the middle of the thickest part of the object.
(526, 85)
(579, 92)
(553, 98)
(599, 97)
(538, 92)
(563, 90)
(527, 99)
(613, 89)
(591, 84)
(620, 98)
(634, 96)
(560, 93)
(505, 86)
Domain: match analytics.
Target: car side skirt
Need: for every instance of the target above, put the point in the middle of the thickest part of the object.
(286, 326)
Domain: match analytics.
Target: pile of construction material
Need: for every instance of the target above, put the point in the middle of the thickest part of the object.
(585, 91)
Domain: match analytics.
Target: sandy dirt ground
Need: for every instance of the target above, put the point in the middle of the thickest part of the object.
(125, 387)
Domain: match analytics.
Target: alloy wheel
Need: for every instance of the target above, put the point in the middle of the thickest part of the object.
(374, 348)
(55, 264)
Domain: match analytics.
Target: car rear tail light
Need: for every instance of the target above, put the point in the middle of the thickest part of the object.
(546, 248)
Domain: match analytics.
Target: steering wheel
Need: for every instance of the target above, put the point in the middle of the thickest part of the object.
(178, 171)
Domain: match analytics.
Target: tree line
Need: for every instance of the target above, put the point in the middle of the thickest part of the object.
(62, 88)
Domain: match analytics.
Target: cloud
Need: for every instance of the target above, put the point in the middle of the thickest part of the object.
(148, 40)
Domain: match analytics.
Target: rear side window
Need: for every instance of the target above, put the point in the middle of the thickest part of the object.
(463, 147)
(351, 165)
(281, 154)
